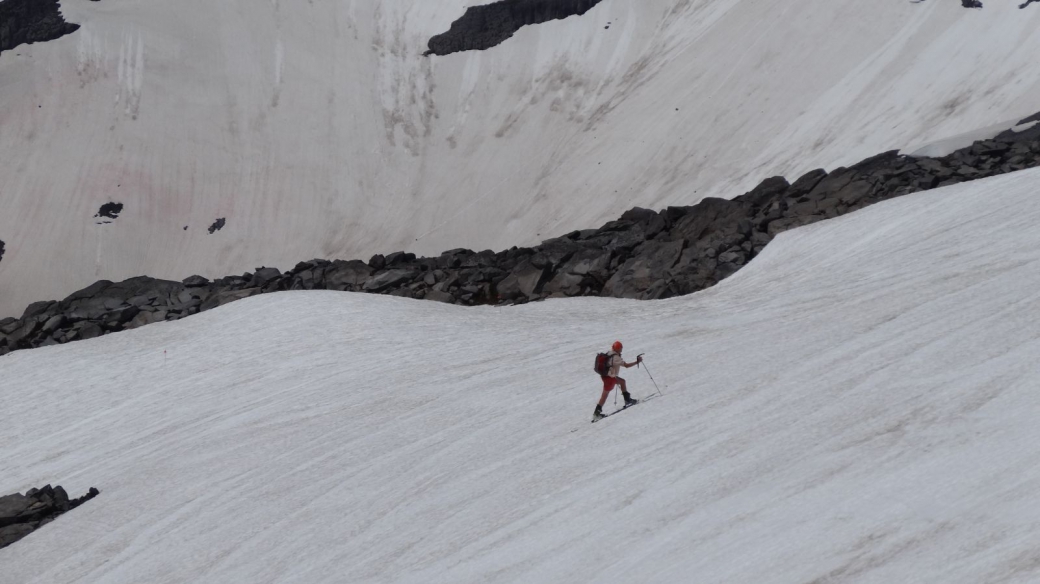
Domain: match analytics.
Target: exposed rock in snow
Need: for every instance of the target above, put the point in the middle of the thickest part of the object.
(21, 514)
(31, 21)
(483, 27)
(644, 254)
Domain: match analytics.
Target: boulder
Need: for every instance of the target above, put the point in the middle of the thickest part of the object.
(350, 275)
(708, 217)
(226, 297)
(13, 533)
(438, 296)
(88, 292)
(805, 183)
(765, 192)
(377, 262)
(650, 263)
(263, 276)
(38, 308)
(88, 330)
(399, 257)
(565, 284)
(390, 279)
(526, 279)
(12, 507)
(195, 282)
(829, 186)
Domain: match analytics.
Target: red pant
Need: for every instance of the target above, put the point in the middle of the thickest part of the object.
(608, 383)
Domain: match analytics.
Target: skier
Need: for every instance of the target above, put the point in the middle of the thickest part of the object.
(611, 379)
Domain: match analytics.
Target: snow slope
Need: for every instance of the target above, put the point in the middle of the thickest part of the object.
(318, 130)
(857, 405)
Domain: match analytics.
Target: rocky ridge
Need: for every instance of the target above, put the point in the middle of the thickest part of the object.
(483, 27)
(31, 21)
(644, 254)
(20, 514)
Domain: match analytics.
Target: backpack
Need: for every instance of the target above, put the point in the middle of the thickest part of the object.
(602, 366)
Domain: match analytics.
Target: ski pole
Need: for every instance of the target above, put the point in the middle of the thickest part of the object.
(652, 378)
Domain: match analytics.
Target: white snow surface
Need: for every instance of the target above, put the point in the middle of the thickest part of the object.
(318, 129)
(857, 405)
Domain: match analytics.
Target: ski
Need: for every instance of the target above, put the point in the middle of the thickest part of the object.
(625, 407)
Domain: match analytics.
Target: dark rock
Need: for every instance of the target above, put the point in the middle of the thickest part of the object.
(805, 183)
(109, 211)
(227, 297)
(831, 184)
(53, 323)
(37, 308)
(782, 225)
(390, 279)
(31, 21)
(195, 282)
(564, 284)
(483, 27)
(438, 296)
(377, 262)
(88, 292)
(217, 225)
(89, 330)
(9, 325)
(526, 279)
(765, 192)
(350, 275)
(263, 276)
(399, 257)
(12, 507)
(13, 533)
(648, 265)
(708, 217)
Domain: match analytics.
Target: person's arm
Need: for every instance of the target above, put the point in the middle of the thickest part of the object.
(638, 360)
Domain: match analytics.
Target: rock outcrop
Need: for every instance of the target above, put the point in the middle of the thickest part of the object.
(21, 514)
(31, 21)
(644, 254)
(483, 27)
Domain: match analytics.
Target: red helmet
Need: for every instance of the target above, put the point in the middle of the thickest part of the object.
(616, 346)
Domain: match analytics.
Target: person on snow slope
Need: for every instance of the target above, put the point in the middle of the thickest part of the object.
(611, 379)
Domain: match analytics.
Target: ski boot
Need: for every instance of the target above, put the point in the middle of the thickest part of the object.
(598, 414)
(629, 400)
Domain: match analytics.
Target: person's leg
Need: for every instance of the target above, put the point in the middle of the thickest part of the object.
(624, 392)
(608, 385)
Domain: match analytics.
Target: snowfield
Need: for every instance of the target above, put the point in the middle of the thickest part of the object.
(857, 405)
(319, 130)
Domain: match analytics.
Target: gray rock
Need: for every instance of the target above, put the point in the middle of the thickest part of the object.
(765, 192)
(438, 296)
(829, 186)
(350, 275)
(12, 507)
(13, 533)
(37, 308)
(89, 330)
(9, 325)
(89, 292)
(53, 323)
(264, 276)
(806, 183)
(390, 279)
(650, 264)
(226, 297)
(399, 257)
(564, 283)
(526, 279)
(195, 281)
